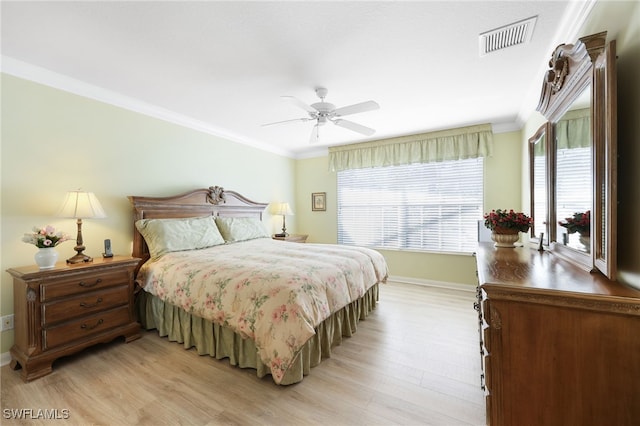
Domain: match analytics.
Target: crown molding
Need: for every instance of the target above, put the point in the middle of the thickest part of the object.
(65, 83)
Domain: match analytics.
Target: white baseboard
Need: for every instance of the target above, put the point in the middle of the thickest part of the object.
(5, 359)
(430, 283)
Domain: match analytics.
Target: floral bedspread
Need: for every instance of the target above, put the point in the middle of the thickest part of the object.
(273, 292)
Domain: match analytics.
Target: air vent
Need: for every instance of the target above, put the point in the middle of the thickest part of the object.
(507, 36)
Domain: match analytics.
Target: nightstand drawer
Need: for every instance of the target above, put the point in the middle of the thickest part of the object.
(84, 327)
(82, 283)
(84, 304)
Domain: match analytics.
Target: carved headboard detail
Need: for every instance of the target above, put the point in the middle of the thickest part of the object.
(212, 201)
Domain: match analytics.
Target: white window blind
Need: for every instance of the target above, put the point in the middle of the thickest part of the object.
(573, 187)
(425, 206)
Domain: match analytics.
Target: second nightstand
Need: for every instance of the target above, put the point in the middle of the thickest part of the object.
(292, 238)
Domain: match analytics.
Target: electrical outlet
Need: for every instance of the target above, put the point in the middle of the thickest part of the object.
(7, 322)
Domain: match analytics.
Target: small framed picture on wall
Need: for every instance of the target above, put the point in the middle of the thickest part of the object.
(319, 201)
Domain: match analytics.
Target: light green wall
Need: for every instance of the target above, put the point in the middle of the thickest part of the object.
(54, 141)
(503, 174)
(312, 175)
(502, 186)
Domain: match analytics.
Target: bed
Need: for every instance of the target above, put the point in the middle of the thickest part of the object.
(213, 279)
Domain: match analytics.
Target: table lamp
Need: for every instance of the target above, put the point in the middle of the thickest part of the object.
(78, 205)
(284, 210)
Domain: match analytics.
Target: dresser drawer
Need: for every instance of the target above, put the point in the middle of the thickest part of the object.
(84, 304)
(84, 327)
(81, 283)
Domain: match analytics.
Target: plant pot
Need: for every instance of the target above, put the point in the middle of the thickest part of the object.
(46, 258)
(505, 237)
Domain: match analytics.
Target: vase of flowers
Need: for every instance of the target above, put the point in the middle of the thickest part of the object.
(506, 226)
(45, 239)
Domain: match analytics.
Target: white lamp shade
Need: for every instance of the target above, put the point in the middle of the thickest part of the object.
(81, 205)
(282, 209)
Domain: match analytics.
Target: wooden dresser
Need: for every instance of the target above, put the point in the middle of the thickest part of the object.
(66, 309)
(560, 346)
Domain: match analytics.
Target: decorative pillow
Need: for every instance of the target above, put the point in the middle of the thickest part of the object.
(235, 229)
(167, 235)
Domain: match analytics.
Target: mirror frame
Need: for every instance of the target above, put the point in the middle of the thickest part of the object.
(543, 131)
(605, 213)
(574, 68)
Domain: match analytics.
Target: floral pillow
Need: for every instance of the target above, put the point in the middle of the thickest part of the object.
(235, 229)
(167, 235)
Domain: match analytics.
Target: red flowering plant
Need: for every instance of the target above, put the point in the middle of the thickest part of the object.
(579, 222)
(503, 221)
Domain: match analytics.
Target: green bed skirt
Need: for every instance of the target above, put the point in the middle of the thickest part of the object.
(221, 342)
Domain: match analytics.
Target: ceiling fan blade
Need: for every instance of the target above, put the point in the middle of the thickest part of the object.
(358, 128)
(287, 121)
(356, 108)
(315, 134)
(297, 102)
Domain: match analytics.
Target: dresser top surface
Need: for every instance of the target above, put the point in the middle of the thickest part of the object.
(32, 271)
(526, 268)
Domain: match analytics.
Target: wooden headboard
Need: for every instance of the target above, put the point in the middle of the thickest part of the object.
(212, 201)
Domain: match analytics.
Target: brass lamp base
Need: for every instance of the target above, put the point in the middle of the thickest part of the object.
(80, 258)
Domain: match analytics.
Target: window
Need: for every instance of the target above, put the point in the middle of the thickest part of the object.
(426, 206)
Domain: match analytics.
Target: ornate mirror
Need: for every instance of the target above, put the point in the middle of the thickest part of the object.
(578, 99)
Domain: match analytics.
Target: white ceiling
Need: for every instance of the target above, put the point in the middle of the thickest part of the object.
(222, 67)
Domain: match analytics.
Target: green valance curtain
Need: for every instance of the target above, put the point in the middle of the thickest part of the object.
(454, 144)
(574, 129)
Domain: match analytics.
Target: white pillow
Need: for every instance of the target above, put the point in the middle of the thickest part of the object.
(167, 235)
(235, 229)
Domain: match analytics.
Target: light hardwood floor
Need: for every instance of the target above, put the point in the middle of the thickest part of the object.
(414, 361)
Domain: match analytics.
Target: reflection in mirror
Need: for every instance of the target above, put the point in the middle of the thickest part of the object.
(574, 177)
(539, 194)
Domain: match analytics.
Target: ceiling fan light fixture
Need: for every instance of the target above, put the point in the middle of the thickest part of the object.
(323, 112)
(322, 92)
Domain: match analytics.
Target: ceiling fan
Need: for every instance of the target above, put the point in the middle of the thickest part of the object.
(323, 112)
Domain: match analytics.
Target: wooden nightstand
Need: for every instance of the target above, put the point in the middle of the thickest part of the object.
(292, 238)
(66, 309)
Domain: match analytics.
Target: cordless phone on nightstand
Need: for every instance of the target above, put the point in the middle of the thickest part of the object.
(107, 249)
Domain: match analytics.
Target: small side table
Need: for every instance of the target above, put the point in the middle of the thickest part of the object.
(292, 238)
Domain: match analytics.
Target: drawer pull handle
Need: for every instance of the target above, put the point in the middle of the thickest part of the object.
(91, 305)
(83, 284)
(87, 327)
